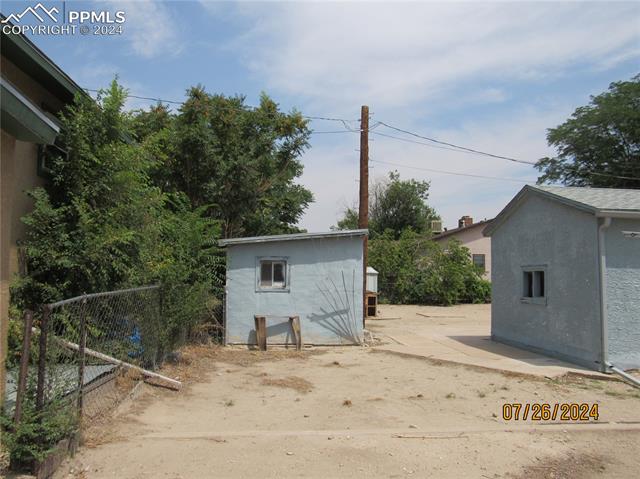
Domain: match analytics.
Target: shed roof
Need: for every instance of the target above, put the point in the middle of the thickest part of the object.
(292, 237)
(598, 201)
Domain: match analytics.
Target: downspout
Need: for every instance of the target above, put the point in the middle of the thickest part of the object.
(603, 293)
(628, 377)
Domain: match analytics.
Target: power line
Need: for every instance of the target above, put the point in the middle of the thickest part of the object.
(349, 129)
(327, 118)
(408, 140)
(464, 148)
(175, 102)
(313, 132)
(455, 173)
(158, 100)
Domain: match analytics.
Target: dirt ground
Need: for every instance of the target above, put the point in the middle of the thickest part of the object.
(358, 412)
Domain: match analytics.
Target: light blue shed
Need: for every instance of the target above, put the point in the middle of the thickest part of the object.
(315, 276)
(566, 274)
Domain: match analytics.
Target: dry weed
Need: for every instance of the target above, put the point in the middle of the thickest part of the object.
(195, 361)
(566, 467)
(292, 382)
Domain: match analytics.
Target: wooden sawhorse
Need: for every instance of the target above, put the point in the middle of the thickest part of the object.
(261, 331)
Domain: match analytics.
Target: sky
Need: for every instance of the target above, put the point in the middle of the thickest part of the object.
(489, 76)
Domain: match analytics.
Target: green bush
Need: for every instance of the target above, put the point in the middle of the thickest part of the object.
(38, 432)
(101, 224)
(415, 270)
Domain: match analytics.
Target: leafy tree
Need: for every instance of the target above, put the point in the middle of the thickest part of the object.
(349, 220)
(84, 228)
(101, 224)
(401, 204)
(241, 161)
(395, 205)
(153, 128)
(600, 139)
(414, 270)
(391, 257)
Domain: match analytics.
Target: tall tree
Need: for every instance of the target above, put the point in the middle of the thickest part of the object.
(100, 223)
(96, 203)
(240, 161)
(395, 205)
(600, 144)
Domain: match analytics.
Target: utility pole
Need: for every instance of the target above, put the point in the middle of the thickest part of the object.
(363, 211)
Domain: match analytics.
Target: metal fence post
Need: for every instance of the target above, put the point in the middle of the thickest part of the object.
(159, 356)
(24, 365)
(42, 357)
(81, 351)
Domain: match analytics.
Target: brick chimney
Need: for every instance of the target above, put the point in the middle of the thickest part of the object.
(465, 221)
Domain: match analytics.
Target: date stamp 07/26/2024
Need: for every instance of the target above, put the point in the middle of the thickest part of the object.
(550, 412)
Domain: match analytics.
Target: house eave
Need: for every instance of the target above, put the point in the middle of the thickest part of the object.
(618, 214)
(30, 59)
(23, 119)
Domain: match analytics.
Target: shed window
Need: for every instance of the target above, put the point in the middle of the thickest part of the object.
(273, 274)
(533, 284)
(479, 261)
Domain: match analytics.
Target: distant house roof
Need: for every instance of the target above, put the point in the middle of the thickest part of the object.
(600, 202)
(448, 233)
(292, 237)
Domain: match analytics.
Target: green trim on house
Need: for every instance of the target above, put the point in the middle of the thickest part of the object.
(31, 60)
(24, 120)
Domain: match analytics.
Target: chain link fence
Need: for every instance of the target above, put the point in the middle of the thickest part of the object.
(89, 352)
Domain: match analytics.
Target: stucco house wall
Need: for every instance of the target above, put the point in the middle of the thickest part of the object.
(18, 174)
(325, 290)
(623, 293)
(562, 240)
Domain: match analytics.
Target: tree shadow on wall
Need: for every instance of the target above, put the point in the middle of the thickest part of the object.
(339, 316)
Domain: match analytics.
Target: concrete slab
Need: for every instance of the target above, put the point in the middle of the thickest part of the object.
(460, 334)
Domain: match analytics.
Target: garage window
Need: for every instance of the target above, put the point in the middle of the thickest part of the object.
(273, 274)
(534, 285)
